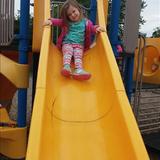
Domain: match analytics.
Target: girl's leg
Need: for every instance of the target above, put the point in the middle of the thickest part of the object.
(79, 73)
(78, 54)
(67, 50)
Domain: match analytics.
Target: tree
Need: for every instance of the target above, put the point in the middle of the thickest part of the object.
(86, 3)
(156, 33)
(122, 15)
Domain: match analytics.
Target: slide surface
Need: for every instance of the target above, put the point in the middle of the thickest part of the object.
(89, 120)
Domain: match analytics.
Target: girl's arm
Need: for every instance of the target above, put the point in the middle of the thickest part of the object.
(54, 22)
(99, 29)
(96, 28)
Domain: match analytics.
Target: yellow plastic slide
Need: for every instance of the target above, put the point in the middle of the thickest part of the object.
(89, 120)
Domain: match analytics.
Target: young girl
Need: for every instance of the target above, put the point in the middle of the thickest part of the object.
(75, 38)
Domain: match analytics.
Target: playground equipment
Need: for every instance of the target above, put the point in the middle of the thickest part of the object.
(150, 61)
(147, 92)
(13, 135)
(12, 138)
(145, 99)
(91, 119)
(6, 22)
(130, 41)
(81, 120)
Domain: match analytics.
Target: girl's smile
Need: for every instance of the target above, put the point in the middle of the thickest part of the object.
(73, 14)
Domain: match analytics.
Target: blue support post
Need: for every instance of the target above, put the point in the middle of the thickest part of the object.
(129, 75)
(93, 13)
(93, 10)
(23, 59)
(114, 25)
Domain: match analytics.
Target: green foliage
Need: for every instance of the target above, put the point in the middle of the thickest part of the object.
(122, 15)
(156, 33)
(85, 3)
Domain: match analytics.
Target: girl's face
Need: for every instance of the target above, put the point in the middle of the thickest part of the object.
(73, 14)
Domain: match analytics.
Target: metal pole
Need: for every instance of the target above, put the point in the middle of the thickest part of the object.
(139, 77)
(136, 94)
(23, 59)
(114, 25)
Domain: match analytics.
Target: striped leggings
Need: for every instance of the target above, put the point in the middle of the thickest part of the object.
(74, 50)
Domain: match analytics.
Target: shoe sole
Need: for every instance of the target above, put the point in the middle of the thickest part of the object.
(81, 77)
(65, 73)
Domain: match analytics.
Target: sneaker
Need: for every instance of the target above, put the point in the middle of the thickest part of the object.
(66, 71)
(80, 74)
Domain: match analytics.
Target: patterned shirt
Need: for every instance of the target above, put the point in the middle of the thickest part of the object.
(76, 33)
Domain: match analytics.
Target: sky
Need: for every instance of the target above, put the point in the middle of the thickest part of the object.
(151, 15)
(17, 6)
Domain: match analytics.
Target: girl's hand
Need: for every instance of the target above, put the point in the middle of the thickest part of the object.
(47, 22)
(100, 29)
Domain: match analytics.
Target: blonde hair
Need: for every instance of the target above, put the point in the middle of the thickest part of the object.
(65, 7)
